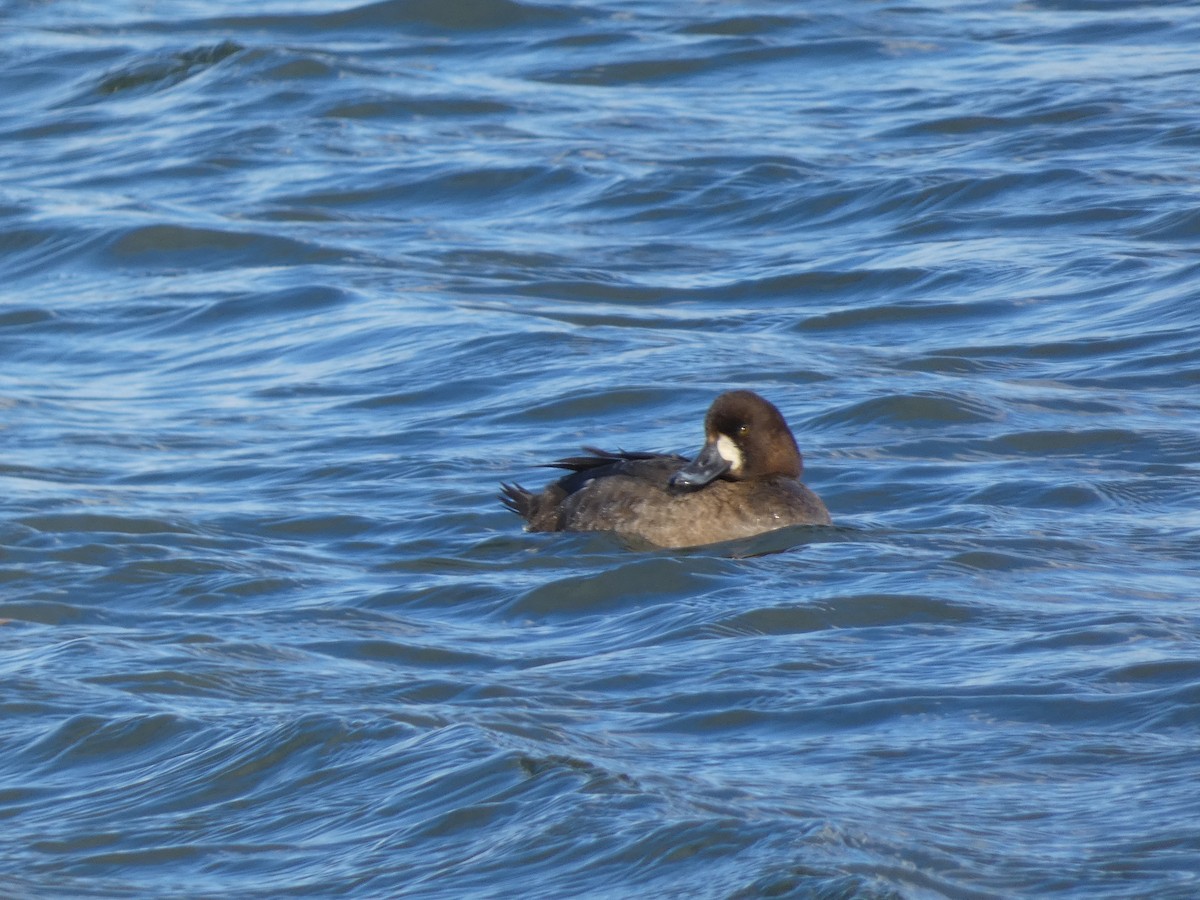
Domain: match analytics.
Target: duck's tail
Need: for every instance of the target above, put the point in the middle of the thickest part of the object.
(517, 499)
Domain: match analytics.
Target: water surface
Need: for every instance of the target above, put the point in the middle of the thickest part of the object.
(288, 291)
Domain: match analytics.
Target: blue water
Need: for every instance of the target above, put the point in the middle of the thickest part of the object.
(287, 289)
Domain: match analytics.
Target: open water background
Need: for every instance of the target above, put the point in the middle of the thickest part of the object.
(286, 289)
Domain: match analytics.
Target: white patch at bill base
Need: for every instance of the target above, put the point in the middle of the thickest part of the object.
(729, 452)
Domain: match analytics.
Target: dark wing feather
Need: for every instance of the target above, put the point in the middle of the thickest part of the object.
(605, 457)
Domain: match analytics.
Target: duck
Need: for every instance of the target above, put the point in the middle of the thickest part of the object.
(744, 481)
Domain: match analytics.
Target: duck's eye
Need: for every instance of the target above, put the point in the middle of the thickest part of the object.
(743, 430)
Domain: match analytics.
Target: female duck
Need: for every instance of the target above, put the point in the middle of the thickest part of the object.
(745, 481)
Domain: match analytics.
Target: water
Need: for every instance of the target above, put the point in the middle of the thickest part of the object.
(287, 292)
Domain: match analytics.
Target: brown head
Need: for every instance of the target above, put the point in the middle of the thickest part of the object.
(746, 437)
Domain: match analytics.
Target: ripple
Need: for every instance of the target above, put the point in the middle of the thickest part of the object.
(159, 74)
(92, 523)
(860, 611)
(176, 248)
(609, 591)
(912, 411)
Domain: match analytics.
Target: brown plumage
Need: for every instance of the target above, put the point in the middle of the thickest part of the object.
(745, 481)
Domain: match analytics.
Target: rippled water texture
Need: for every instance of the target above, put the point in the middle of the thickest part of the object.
(289, 288)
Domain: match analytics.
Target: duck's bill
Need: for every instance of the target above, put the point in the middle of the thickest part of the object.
(707, 465)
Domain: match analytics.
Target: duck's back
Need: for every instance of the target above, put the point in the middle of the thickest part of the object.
(631, 495)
